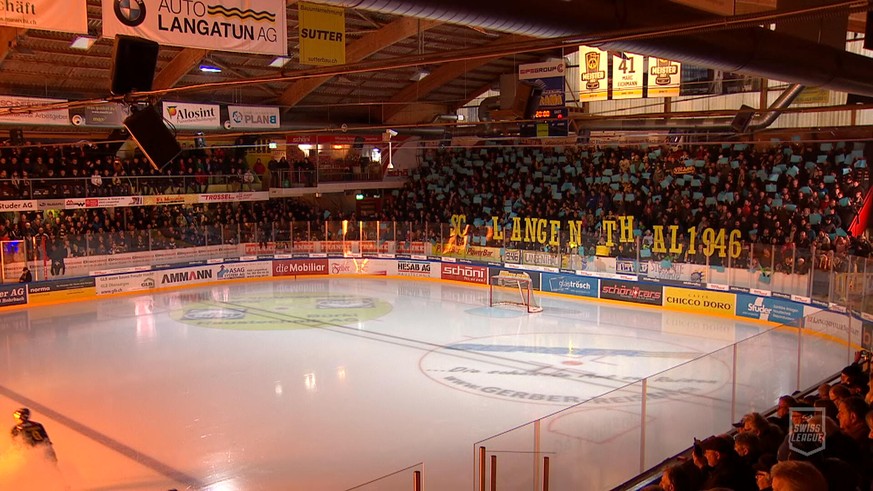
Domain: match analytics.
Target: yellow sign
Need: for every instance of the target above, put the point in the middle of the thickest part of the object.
(704, 301)
(627, 76)
(542, 231)
(322, 30)
(594, 79)
(664, 77)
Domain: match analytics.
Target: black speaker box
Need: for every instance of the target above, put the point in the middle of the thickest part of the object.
(133, 64)
(147, 129)
(744, 116)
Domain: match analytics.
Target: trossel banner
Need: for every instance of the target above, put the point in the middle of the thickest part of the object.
(244, 26)
(47, 15)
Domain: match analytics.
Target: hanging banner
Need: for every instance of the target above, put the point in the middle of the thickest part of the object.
(188, 115)
(47, 15)
(664, 77)
(245, 26)
(627, 76)
(550, 75)
(322, 31)
(595, 82)
(54, 117)
(246, 117)
(109, 115)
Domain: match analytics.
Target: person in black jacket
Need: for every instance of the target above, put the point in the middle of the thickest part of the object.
(26, 276)
(725, 469)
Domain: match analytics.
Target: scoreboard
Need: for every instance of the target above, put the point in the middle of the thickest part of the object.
(551, 121)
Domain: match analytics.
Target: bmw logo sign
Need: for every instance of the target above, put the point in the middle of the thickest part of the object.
(130, 12)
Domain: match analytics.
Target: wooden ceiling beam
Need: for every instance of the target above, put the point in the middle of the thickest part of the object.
(178, 67)
(390, 34)
(439, 77)
(8, 37)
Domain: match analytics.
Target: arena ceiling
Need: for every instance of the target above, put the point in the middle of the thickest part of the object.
(44, 64)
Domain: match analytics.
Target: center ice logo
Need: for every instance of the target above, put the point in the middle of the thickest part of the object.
(564, 369)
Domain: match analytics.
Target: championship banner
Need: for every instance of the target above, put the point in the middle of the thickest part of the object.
(595, 82)
(627, 76)
(47, 15)
(664, 77)
(249, 117)
(551, 76)
(54, 117)
(244, 26)
(322, 31)
(110, 115)
(187, 115)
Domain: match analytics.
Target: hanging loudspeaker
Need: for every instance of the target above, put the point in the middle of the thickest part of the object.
(147, 129)
(133, 64)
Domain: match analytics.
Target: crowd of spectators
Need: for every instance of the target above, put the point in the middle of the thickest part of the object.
(788, 197)
(60, 234)
(67, 171)
(793, 195)
(817, 442)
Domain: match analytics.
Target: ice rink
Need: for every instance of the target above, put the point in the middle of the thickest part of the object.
(325, 384)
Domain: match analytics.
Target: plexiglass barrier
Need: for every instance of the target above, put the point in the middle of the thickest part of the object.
(587, 444)
(408, 479)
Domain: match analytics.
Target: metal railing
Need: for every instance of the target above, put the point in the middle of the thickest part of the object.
(88, 187)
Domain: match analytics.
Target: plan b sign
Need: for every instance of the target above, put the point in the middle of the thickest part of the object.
(253, 117)
(245, 26)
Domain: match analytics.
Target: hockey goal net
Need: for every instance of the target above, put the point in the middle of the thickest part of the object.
(514, 291)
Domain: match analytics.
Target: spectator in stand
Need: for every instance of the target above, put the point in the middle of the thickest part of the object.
(852, 411)
(677, 478)
(780, 419)
(724, 467)
(768, 434)
(797, 476)
(26, 276)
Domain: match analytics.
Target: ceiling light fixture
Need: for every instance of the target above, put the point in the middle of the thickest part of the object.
(209, 68)
(419, 75)
(279, 61)
(83, 42)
